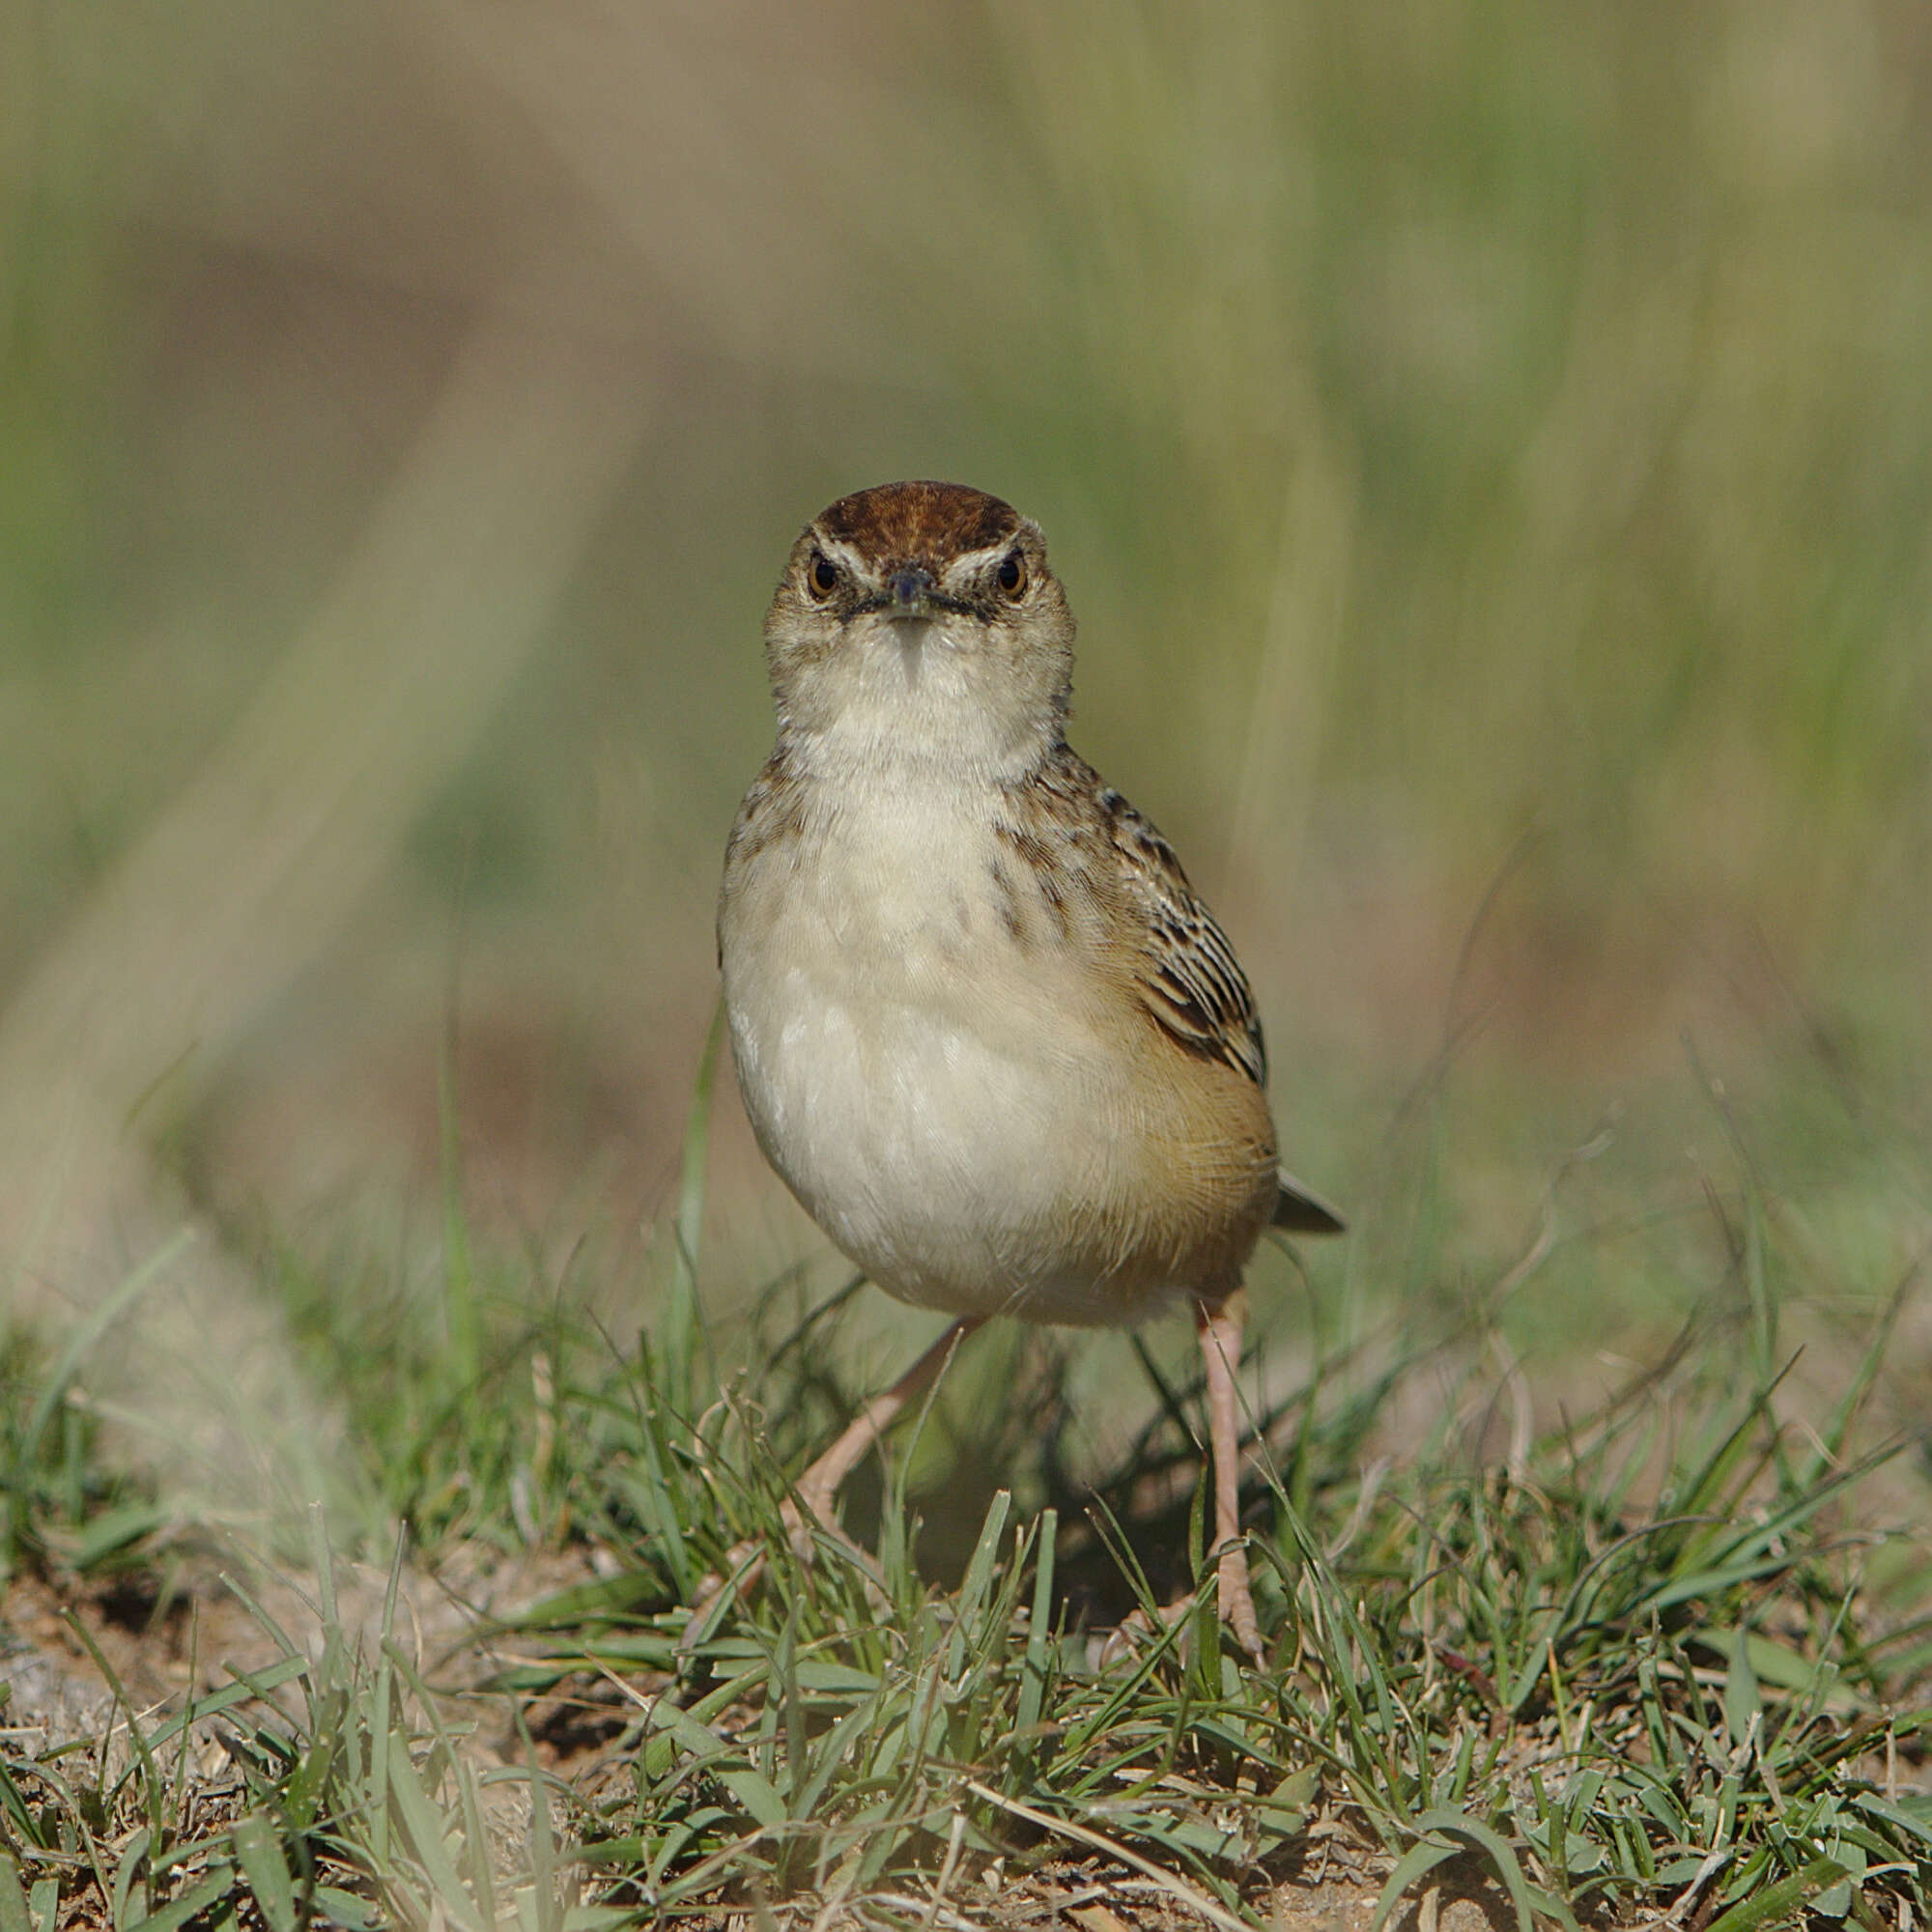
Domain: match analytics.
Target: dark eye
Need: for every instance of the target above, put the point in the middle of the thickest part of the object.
(1012, 576)
(822, 578)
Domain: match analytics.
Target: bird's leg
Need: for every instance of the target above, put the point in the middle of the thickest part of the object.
(1219, 1324)
(819, 1485)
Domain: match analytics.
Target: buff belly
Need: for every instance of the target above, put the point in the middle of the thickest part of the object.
(960, 1101)
(939, 1160)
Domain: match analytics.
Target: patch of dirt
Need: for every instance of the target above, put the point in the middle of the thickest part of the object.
(166, 1635)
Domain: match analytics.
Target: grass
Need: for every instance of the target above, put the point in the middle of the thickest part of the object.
(1659, 1657)
(1447, 420)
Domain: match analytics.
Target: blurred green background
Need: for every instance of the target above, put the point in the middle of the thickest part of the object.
(1488, 447)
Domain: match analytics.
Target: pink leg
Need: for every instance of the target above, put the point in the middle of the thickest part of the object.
(1220, 1329)
(819, 1485)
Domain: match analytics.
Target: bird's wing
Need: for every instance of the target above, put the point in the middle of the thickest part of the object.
(1190, 980)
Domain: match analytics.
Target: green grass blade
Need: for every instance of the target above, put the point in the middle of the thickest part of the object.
(191, 1904)
(1502, 1856)
(12, 1899)
(1743, 1704)
(1776, 1902)
(260, 1854)
(130, 1874)
(683, 1326)
(1420, 1860)
(78, 1344)
(972, 1596)
(426, 1825)
(1034, 1678)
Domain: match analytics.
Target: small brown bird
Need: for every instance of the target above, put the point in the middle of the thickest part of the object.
(984, 1028)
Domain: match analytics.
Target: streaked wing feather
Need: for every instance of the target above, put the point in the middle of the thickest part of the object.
(1191, 981)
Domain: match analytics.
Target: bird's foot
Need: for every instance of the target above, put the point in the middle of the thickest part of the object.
(1234, 1600)
(1237, 1601)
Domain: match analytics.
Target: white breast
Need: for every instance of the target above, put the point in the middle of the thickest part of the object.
(925, 1080)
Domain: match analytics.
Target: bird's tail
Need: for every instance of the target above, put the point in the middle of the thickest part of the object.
(1302, 1212)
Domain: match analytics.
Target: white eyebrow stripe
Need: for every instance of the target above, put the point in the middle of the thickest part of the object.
(840, 552)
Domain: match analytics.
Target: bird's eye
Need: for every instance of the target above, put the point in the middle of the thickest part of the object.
(1012, 576)
(822, 578)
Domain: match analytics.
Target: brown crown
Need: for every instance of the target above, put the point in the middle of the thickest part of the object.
(919, 522)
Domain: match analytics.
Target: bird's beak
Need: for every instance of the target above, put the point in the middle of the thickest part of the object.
(910, 590)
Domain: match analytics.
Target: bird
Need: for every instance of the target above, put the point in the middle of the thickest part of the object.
(984, 1028)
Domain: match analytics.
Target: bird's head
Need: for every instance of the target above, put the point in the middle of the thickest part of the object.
(918, 623)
